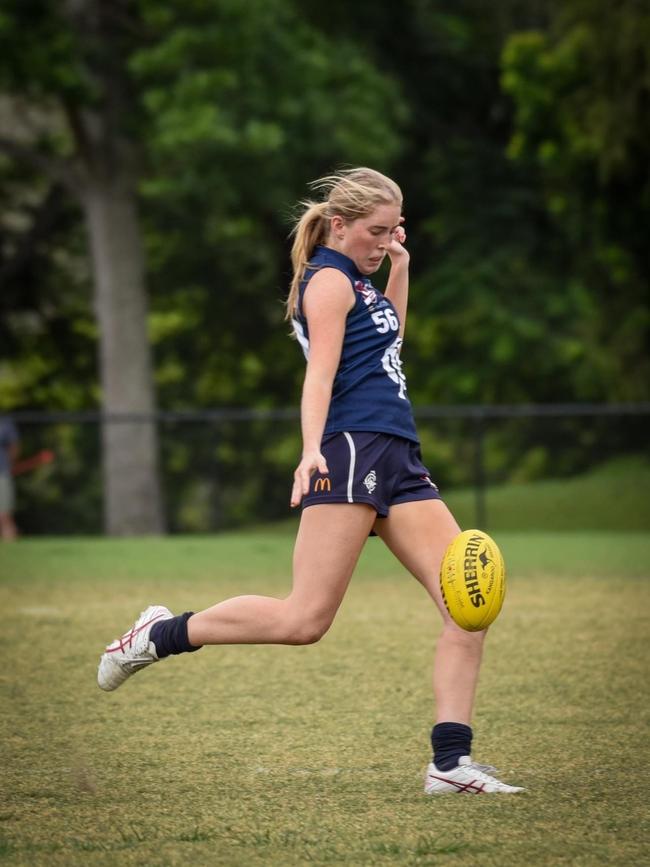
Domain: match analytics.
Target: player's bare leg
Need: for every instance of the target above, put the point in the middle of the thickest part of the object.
(327, 548)
(8, 530)
(418, 533)
(329, 541)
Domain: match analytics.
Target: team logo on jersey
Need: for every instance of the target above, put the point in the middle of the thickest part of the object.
(370, 481)
(321, 485)
(367, 292)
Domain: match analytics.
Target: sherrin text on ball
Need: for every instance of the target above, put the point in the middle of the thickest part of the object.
(473, 580)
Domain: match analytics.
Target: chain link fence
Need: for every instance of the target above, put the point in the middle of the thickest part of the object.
(226, 469)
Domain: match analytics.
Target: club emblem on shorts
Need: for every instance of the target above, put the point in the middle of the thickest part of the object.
(370, 481)
(321, 485)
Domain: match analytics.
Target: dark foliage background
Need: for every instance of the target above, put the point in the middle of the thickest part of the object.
(518, 130)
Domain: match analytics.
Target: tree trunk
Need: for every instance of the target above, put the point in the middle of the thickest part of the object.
(132, 502)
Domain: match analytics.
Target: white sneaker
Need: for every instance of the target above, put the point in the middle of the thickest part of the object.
(468, 777)
(132, 651)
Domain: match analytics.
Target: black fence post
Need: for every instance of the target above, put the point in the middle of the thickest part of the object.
(479, 470)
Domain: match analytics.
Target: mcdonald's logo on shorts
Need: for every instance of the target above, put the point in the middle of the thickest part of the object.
(322, 485)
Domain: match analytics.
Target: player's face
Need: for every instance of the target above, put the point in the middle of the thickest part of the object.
(365, 240)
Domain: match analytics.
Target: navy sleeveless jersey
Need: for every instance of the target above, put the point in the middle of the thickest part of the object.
(369, 390)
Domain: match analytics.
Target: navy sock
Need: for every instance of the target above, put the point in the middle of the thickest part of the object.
(170, 636)
(450, 741)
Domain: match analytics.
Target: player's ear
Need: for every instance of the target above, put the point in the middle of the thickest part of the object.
(338, 225)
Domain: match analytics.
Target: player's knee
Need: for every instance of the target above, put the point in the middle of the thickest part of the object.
(453, 634)
(309, 629)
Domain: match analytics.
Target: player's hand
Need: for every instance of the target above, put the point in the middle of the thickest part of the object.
(396, 250)
(310, 463)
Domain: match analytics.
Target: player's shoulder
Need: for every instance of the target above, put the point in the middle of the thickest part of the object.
(329, 275)
(329, 287)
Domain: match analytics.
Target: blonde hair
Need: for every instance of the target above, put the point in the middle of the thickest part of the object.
(351, 193)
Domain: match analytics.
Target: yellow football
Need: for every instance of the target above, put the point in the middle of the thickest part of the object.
(473, 580)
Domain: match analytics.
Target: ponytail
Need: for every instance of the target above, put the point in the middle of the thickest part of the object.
(311, 229)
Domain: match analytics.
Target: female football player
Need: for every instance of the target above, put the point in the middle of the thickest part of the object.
(360, 471)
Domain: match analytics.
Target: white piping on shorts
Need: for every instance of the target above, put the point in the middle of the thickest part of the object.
(353, 460)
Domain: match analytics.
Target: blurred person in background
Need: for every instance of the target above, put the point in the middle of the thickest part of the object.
(9, 447)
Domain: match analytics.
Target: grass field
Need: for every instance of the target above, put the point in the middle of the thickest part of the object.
(612, 496)
(315, 755)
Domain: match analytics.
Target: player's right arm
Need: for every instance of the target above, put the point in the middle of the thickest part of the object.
(326, 303)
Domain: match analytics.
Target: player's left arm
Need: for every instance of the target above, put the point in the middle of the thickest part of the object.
(397, 288)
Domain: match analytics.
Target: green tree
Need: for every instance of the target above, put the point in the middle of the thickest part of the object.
(64, 72)
(210, 115)
(581, 92)
(510, 298)
(264, 103)
(477, 328)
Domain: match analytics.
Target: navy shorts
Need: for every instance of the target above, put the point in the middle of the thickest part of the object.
(375, 468)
